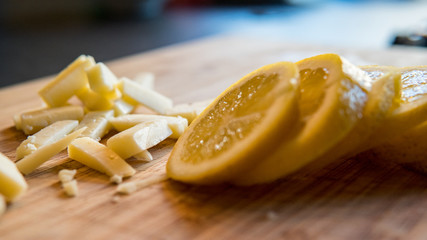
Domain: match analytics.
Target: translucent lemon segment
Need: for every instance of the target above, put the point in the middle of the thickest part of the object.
(239, 128)
(414, 83)
(332, 98)
(402, 138)
(410, 111)
(382, 99)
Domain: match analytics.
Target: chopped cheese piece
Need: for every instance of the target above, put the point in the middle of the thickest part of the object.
(183, 110)
(138, 138)
(145, 155)
(145, 96)
(97, 124)
(13, 184)
(2, 205)
(47, 135)
(116, 179)
(131, 187)
(57, 92)
(30, 162)
(66, 175)
(94, 101)
(103, 81)
(121, 107)
(145, 79)
(97, 156)
(176, 124)
(17, 121)
(71, 188)
(188, 111)
(33, 121)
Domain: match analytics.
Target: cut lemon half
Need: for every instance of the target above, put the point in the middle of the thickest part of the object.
(239, 128)
(332, 98)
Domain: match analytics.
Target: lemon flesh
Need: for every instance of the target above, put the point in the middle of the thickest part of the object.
(411, 110)
(332, 98)
(405, 142)
(240, 127)
(382, 99)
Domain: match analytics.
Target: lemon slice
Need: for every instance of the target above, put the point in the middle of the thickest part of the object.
(404, 140)
(333, 96)
(383, 98)
(239, 128)
(412, 108)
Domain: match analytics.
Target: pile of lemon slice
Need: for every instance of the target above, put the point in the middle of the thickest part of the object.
(287, 116)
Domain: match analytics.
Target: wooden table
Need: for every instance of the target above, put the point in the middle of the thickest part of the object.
(357, 199)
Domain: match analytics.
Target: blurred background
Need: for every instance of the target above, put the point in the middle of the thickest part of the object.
(39, 38)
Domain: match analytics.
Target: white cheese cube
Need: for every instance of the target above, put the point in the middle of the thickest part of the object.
(71, 188)
(66, 175)
(34, 121)
(145, 96)
(47, 135)
(176, 124)
(30, 162)
(97, 124)
(57, 92)
(102, 80)
(138, 138)
(97, 156)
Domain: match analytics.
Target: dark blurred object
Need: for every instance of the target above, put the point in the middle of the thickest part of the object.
(411, 40)
(29, 12)
(415, 36)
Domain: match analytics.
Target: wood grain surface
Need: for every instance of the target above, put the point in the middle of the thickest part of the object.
(355, 199)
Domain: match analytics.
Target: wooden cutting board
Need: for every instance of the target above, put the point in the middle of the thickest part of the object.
(356, 199)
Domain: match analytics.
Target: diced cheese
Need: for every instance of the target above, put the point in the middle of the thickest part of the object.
(97, 156)
(34, 121)
(13, 184)
(47, 135)
(145, 96)
(145, 79)
(121, 107)
(138, 138)
(57, 92)
(145, 155)
(97, 124)
(183, 110)
(188, 111)
(71, 188)
(102, 81)
(30, 162)
(66, 175)
(116, 179)
(131, 187)
(17, 121)
(176, 124)
(94, 101)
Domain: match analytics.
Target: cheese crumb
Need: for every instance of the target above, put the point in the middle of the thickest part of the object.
(116, 179)
(71, 188)
(131, 187)
(66, 175)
